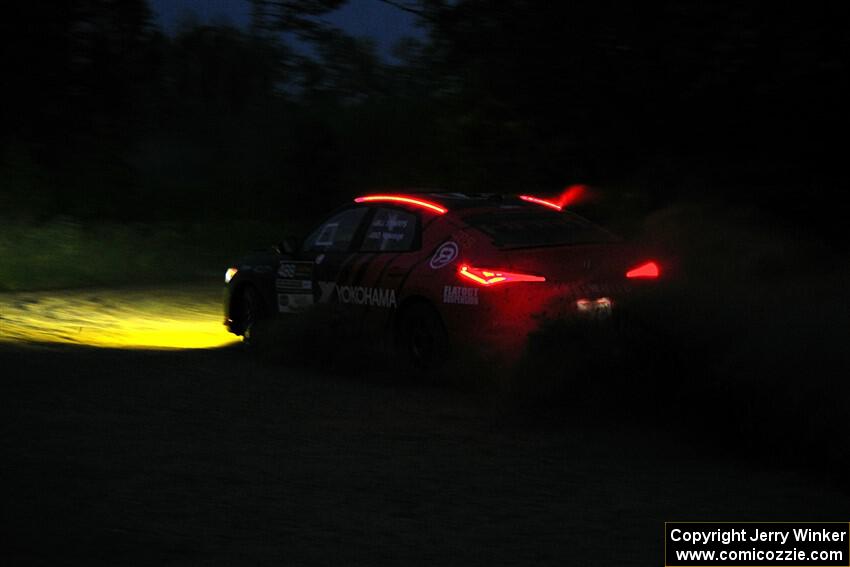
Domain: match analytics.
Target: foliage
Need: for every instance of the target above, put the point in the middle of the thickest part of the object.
(109, 118)
(65, 253)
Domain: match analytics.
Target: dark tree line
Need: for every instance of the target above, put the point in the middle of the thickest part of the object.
(104, 115)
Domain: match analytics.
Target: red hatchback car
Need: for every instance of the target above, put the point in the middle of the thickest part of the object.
(421, 274)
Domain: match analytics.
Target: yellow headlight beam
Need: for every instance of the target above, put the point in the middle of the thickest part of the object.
(165, 318)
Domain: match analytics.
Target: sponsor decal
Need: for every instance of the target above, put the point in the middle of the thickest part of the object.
(378, 235)
(388, 232)
(286, 270)
(295, 276)
(444, 255)
(305, 286)
(358, 295)
(296, 270)
(294, 302)
(460, 295)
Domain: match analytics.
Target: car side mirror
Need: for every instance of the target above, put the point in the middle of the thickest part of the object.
(289, 245)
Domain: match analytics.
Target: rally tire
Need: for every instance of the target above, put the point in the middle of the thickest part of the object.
(251, 317)
(421, 340)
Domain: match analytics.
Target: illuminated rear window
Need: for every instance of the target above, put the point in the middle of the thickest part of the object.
(526, 229)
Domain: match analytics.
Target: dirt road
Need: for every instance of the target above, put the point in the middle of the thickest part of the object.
(207, 457)
(175, 316)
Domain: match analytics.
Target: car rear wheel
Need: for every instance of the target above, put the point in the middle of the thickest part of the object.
(422, 343)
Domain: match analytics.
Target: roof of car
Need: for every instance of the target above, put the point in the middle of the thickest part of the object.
(465, 200)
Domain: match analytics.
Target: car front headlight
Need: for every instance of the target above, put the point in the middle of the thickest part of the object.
(228, 275)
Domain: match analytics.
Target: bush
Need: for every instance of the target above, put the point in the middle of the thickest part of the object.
(64, 252)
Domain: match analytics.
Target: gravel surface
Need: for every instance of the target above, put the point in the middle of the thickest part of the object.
(212, 457)
(176, 316)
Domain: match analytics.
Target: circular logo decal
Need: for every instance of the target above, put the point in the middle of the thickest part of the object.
(445, 254)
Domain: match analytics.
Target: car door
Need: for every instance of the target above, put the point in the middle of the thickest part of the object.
(330, 249)
(387, 253)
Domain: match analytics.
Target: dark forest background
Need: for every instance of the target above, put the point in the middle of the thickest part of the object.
(106, 117)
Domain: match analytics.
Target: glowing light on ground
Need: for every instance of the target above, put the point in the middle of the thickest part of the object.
(168, 318)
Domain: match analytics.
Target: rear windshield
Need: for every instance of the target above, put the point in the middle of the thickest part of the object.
(526, 229)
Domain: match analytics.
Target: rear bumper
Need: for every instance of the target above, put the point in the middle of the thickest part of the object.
(502, 319)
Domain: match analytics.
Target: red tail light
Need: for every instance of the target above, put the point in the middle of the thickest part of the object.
(572, 195)
(491, 276)
(649, 270)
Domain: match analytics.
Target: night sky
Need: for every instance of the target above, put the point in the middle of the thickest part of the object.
(385, 24)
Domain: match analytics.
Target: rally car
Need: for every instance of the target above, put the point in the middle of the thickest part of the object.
(421, 275)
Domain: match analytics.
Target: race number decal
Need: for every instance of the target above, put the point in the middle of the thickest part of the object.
(444, 255)
(294, 284)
